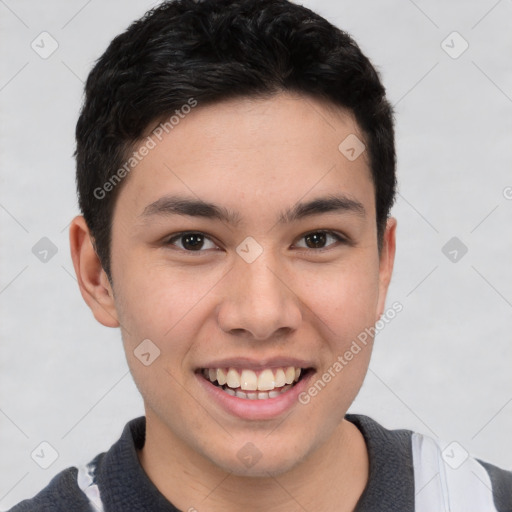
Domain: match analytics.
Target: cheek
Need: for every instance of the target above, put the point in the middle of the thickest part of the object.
(160, 305)
(155, 298)
(345, 297)
(167, 306)
(344, 302)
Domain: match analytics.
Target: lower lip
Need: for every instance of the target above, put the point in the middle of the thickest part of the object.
(244, 408)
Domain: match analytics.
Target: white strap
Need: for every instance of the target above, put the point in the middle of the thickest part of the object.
(441, 488)
(85, 480)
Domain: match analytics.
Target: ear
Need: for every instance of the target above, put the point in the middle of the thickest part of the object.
(92, 279)
(386, 262)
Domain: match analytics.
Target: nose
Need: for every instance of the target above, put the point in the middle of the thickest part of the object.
(259, 302)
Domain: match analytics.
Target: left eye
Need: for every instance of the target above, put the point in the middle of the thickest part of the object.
(318, 239)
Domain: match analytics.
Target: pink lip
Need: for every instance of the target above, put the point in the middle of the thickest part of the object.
(255, 409)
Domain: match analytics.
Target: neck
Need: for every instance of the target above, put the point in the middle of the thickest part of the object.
(332, 478)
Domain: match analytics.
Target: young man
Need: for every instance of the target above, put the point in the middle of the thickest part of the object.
(236, 171)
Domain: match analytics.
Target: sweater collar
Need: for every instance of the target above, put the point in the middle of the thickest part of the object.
(125, 485)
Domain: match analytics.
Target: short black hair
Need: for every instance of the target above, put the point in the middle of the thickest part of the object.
(206, 51)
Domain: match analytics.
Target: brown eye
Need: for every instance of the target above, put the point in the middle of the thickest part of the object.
(191, 242)
(315, 240)
(318, 239)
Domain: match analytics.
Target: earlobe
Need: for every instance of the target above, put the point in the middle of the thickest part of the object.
(386, 262)
(92, 279)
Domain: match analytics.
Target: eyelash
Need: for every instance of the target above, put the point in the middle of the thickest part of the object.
(339, 238)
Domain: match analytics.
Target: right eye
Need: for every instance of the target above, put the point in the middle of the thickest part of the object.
(191, 241)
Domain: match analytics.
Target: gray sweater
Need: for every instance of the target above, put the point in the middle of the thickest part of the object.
(116, 481)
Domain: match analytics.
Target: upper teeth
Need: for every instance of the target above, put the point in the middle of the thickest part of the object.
(248, 380)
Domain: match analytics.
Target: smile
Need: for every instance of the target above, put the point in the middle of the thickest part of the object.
(253, 385)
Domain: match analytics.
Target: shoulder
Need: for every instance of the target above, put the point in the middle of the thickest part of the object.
(445, 474)
(390, 485)
(62, 494)
(78, 488)
(425, 474)
(502, 486)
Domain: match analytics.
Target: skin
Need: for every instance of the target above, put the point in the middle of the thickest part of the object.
(256, 157)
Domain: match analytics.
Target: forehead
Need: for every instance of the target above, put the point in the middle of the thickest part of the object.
(253, 153)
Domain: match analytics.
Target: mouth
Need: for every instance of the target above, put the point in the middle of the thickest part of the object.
(248, 384)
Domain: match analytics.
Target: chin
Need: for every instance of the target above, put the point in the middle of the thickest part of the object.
(250, 461)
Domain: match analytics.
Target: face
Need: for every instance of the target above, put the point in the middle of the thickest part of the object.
(269, 282)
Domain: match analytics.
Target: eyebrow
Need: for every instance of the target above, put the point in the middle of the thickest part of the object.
(178, 205)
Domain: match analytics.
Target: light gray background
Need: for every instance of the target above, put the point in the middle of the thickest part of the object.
(442, 367)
